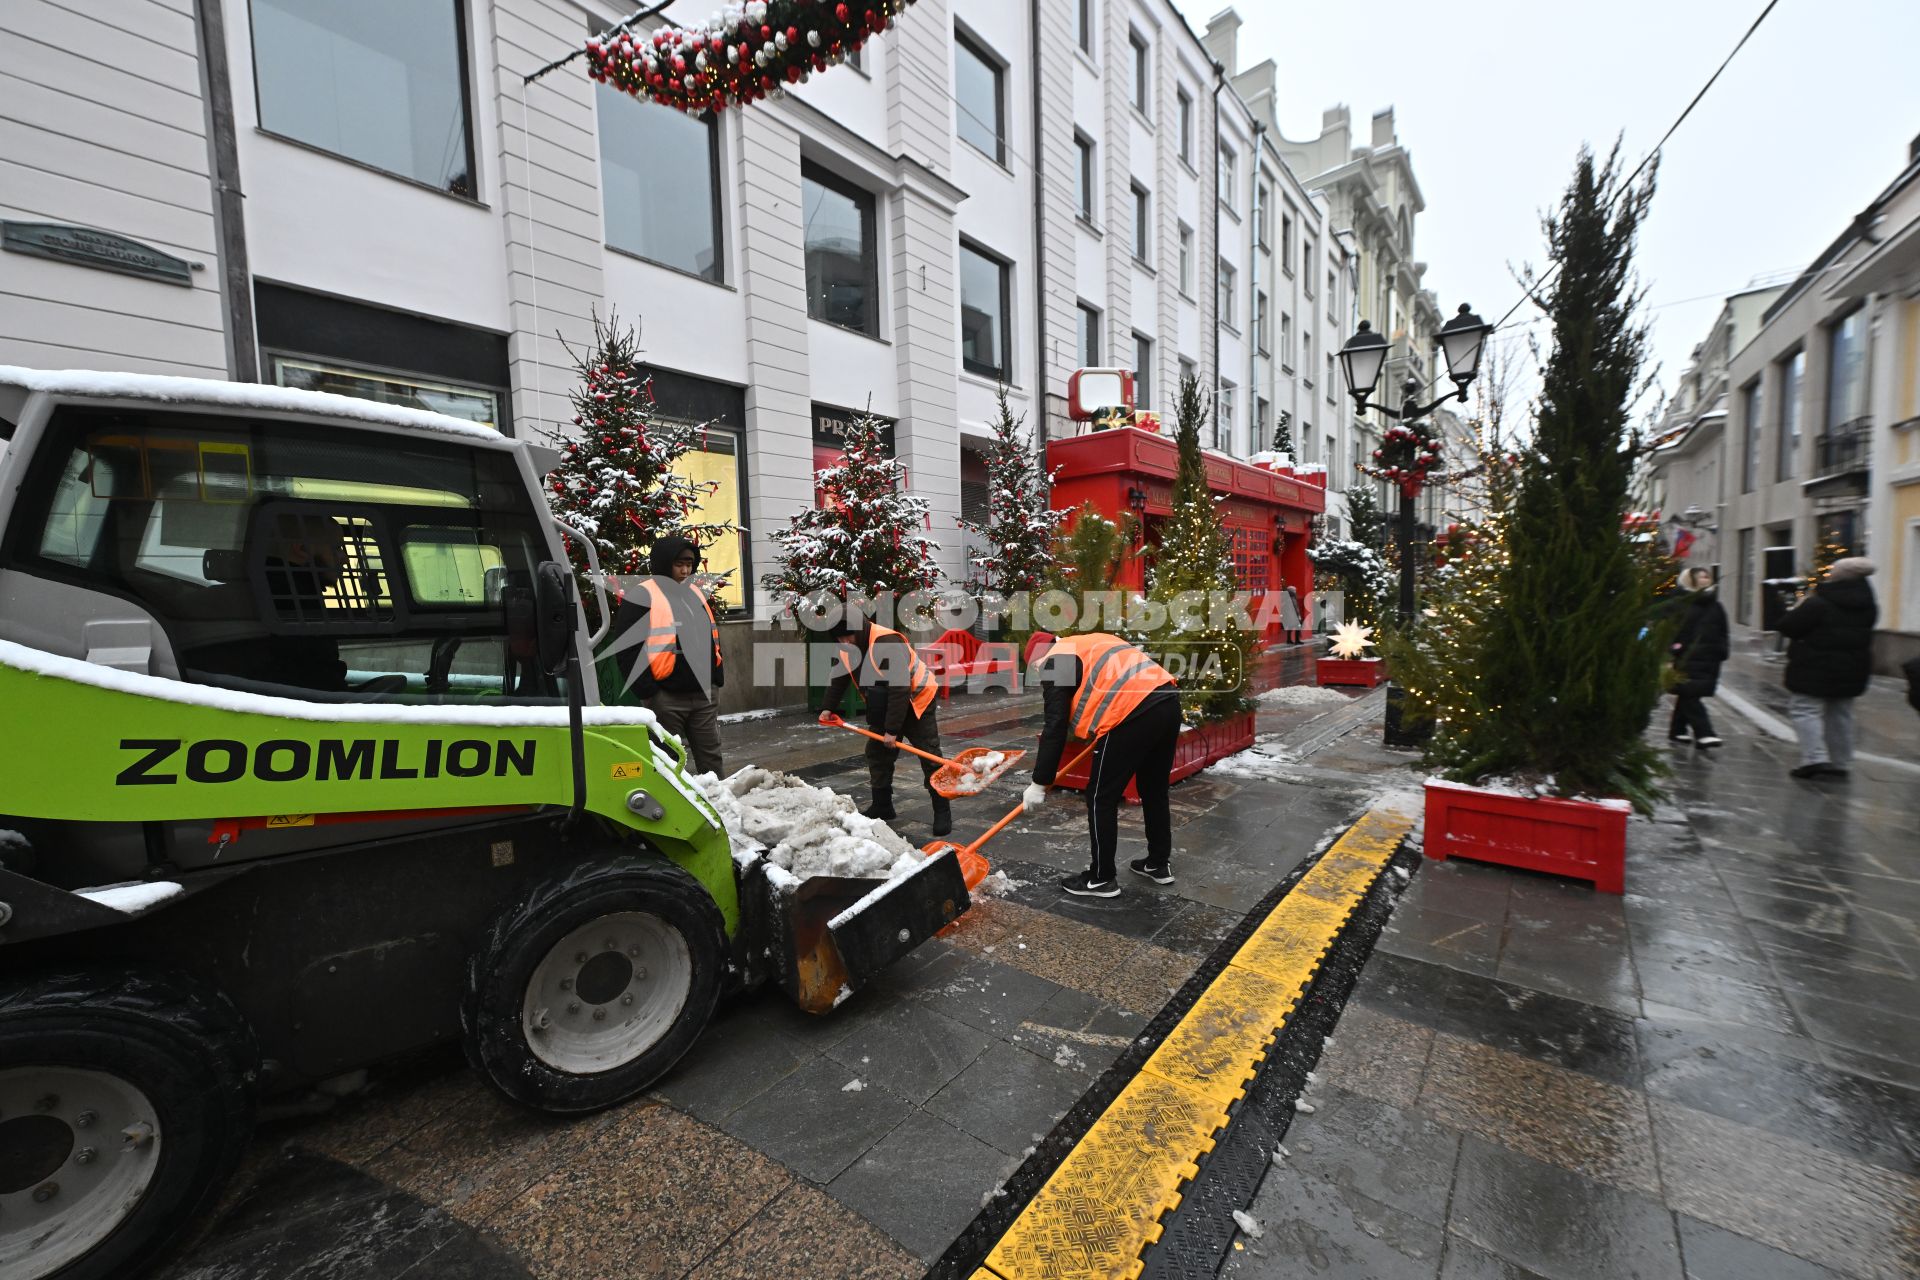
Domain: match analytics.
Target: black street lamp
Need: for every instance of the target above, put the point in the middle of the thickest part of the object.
(1461, 341)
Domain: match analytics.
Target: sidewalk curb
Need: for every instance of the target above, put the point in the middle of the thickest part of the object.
(1774, 727)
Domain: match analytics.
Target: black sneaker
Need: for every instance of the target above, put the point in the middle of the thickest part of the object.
(1159, 875)
(1833, 771)
(1709, 741)
(1678, 737)
(1809, 770)
(1082, 884)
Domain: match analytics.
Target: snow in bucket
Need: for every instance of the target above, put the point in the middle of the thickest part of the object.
(804, 830)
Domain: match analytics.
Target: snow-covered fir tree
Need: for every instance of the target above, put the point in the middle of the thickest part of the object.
(616, 481)
(868, 535)
(1019, 529)
(1282, 432)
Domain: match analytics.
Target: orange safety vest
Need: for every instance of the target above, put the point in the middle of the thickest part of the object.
(1115, 677)
(660, 645)
(920, 683)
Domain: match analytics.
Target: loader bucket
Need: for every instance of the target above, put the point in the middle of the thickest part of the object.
(832, 934)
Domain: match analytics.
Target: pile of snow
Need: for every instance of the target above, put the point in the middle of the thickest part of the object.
(133, 897)
(1257, 761)
(987, 763)
(804, 830)
(1302, 695)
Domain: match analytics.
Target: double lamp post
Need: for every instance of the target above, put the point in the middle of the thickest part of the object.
(1461, 341)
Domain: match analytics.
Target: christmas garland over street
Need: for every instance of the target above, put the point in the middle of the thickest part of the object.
(741, 54)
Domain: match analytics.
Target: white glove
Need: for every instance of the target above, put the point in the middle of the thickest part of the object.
(1033, 797)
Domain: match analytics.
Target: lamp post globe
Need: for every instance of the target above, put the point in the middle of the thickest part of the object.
(1361, 361)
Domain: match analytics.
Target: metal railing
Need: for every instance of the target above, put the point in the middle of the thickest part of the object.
(1845, 448)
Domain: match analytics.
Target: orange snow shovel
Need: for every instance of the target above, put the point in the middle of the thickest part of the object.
(954, 779)
(973, 867)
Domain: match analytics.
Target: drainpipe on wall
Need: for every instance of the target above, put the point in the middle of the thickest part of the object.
(1040, 430)
(229, 212)
(1219, 83)
(1253, 291)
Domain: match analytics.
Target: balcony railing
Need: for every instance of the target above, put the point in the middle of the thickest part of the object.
(1844, 449)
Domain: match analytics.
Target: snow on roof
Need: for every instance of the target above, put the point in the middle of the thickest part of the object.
(41, 663)
(239, 395)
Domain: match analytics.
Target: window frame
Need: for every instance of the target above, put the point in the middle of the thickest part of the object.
(1141, 98)
(869, 205)
(714, 161)
(1087, 333)
(1186, 259)
(1286, 241)
(1261, 337)
(1004, 373)
(966, 43)
(463, 41)
(1229, 184)
(1142, 222)
(1185, 124)
(1226, 293)
(1143, 355)
(1787, 446)
(1223, 414)
(1087, 36)
(1752, 404)
(1088, 176)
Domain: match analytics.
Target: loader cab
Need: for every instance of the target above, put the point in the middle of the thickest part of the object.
(326, 562)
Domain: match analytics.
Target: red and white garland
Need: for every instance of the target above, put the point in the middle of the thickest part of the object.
(1406, 455)
(743, 53)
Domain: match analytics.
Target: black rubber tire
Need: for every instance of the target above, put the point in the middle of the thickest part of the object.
(521, 936)
(182, 1044)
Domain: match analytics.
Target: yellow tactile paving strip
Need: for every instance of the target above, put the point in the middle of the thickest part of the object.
(1102, 1206)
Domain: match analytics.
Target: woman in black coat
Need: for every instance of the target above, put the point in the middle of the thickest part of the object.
(1829, 659)
(1699, 647)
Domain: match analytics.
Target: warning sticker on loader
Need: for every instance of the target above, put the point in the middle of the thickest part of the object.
(289, 820)
(628, 769)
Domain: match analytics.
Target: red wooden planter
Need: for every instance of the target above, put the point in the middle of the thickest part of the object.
(1198, 747)
(1580, 839)
(1366, 672)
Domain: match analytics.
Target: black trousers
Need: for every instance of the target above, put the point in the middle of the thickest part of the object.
(1139, 749)
(922, 731)
(1690, 709)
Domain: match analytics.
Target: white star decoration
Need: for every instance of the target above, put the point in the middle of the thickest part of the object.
(1351, 640)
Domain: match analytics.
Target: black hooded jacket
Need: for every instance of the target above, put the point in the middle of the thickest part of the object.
(1701, 643)
(1830, 640)
(632, 611)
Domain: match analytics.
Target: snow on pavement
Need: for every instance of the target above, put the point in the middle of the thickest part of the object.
(1301, 695)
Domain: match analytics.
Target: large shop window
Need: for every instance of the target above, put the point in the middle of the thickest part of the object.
(715, 460)
(383, 82)
(843, 285)
(660, 184)
(475, 404)
(984, 305)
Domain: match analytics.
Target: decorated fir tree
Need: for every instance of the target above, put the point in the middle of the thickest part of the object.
(867, 537)
(617, 481)
(1192, 573)
(1088, 555)
(1019, 529)
(1359, 572)
(1565, 652)
(1368, 523)
(1282, 433)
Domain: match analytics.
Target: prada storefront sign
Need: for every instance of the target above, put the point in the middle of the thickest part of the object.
(86, 247)
(830, 426)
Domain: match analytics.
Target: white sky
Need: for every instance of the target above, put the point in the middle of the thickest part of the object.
(1493, 97)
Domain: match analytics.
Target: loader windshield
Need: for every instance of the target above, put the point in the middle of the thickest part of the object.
(325, 561)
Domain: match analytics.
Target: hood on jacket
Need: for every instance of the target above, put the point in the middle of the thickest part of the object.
(1846, 593)
(668, 549)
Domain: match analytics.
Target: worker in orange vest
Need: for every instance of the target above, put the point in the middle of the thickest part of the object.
(656, 669)
(1107, 691)
(899, 691)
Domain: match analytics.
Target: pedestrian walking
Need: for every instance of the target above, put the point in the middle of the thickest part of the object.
(1829, 658)
(899, 691)
(1290, 622)
(656, 668)
(1700, 646)
(1109, 692)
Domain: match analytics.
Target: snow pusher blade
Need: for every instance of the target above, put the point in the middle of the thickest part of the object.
(972, 770)
(954, 779)
(830, 935)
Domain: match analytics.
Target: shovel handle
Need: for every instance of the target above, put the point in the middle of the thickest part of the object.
(1019, 809)
(904, 746)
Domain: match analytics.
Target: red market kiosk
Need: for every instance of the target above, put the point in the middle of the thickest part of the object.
(1267, 508)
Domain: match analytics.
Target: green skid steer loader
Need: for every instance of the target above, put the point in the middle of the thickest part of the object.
(302, 767)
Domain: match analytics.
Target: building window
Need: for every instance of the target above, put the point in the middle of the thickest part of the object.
(1089, 337)
(717, 461)
(1085, 183)
(977, 93)
(1142, 73)
(1743, 590)
(475, 404)
(383, 82)
(1142, 370)
(1750, 442)
(1229, 177)
(1332, 393)
(1306, 358)
(843, 281)
(1228, 316)
(1793, 372)
(1333, 285)
(1188, 370)
(1286, 342)
(1331, 456)
(1846, 371)
(1083, 24)
(1262, 216)
(1286, 242)
(1307, 257)
(1142, 225)
(1186, 259)
(1257, 429)
(676, 224)
(1223, 417)
(1260, 342)
(1186, 126)
(985, 306)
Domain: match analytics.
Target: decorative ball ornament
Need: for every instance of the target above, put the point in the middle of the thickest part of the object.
(743, 53)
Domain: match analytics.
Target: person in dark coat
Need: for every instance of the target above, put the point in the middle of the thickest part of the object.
(1829, 658)
(653, 665)
(1700, 645)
